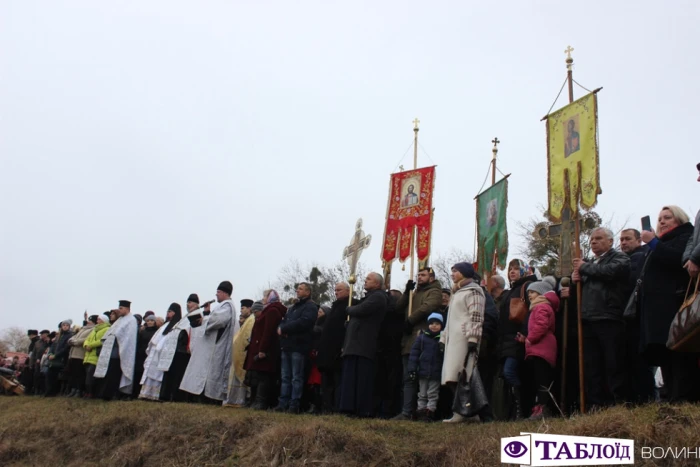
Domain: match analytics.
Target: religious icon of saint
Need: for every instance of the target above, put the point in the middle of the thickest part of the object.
(572, 142)
(492, 213)
(410, 198)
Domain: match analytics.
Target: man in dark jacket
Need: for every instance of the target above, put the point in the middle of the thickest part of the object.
(639, 375)
(40, 347)
(330, 346)
(426, 300)
(605, 281)
(360, 347)
(296, 332)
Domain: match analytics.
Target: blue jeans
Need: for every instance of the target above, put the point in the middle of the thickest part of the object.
(510, 371)
(292, 379)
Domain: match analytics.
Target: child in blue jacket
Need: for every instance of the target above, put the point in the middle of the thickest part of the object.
(425, 364)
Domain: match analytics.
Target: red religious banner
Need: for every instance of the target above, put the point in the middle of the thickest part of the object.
(410, 205)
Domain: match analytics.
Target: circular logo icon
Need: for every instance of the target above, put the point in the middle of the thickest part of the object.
(515, 449)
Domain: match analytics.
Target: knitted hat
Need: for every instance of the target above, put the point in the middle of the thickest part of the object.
(257, 306)
(69, 322)
(246, 302)
(193, 298)
(542, 287)
(466, 269)
(149, 317)
(93, 319)
(226, 287)
(447, 291)
(149, 313)
(103, 317)
(435, 317)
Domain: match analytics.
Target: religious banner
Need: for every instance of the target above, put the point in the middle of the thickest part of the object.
(572, 148)
(492, 232)
(410, 205)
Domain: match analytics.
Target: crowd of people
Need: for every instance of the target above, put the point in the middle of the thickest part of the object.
(400, 354)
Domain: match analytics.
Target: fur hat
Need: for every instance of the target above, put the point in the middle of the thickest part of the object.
(92, 319)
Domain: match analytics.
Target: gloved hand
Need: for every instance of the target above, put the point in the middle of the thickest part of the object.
(412, 375)
(472, 347)
(407, 327)
(441, 346)
(410, 285)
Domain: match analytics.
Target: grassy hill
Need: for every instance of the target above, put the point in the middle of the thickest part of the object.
(59, 431)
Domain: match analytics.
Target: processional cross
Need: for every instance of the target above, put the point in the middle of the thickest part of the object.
(353, 251)
(565, 231)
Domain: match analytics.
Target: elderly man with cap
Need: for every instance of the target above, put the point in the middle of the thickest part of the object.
(464, 327)
(238, 392)
(208, 369)
(117, 359)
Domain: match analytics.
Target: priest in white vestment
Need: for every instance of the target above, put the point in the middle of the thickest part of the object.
(116, 362)
(208, 369)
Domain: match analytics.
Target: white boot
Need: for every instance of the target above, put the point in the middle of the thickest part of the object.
(456, 418)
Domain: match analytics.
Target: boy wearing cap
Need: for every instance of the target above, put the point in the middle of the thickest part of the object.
(425, 364)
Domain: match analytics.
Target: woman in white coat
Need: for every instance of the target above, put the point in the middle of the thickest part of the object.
(464, 326)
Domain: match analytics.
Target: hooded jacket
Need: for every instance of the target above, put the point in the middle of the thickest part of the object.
(94, 342)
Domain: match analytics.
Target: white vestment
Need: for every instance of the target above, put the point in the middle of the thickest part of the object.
(210, 362)
(124, 332)
(170, 344)
(152, 376)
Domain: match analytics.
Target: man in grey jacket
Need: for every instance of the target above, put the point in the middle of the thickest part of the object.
(691, 257)
(604, 282)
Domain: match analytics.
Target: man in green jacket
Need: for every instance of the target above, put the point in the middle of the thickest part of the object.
(426, 299)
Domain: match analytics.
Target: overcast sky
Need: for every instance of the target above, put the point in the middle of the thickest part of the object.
(150, 149)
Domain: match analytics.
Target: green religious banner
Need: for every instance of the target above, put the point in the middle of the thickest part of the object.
(492, 233)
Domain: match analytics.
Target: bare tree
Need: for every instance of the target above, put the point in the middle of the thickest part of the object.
(14, 340)
(442, 264)
(340, 272)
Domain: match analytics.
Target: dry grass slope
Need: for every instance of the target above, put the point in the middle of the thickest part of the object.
(69, 432)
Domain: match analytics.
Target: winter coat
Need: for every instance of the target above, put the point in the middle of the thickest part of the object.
(264, 338)
(332, 337)
(426, 357)
(604, 287)
(541, 326)
(94, 342)
(692, 247)
(365, 321)
(60, 349)
(38, 351)
(76, 342)
(145, 336)
(490, 317)
(427, 299)
(464, 325)
(662, 292)
(508, 347)
(297, 327)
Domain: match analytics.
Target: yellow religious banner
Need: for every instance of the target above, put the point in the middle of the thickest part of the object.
(572, 156)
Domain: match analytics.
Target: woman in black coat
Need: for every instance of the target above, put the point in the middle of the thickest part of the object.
(511, 353)
(662, 292)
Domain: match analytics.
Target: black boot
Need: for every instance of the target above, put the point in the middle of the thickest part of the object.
(261, 395)
(517, 403)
